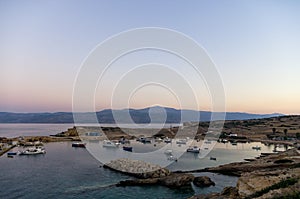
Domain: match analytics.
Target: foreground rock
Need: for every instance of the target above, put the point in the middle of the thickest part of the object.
(176, 180)
(249, 184)
(203, 181)
(173, 180)
(148, 174)
(227, 193)
(273, 176)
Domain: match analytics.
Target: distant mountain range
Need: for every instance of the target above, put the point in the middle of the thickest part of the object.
(152, 114)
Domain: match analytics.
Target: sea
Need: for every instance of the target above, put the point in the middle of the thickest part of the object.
(68, 172)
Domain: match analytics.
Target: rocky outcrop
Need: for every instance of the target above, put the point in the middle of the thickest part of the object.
(284, 160)
(176, 180)
(227, 193)
(148, 174)
(288, 192)
(250, 183)
(276, 175)
(203, 181)
(171, 181)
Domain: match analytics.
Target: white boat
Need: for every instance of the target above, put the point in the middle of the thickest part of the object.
(182, 141)
(108, 143)
(33, 151)
(172, 158)
(193, 149)
(168, 152)
(167, 140)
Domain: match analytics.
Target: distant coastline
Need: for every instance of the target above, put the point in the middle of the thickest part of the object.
(147, 115)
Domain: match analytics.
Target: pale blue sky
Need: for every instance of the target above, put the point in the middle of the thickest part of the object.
(255, 45)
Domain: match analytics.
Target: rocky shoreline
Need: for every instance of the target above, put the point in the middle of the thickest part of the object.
(275, 175)
(150, 174)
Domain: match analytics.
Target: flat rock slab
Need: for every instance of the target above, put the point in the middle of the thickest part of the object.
(137, 168)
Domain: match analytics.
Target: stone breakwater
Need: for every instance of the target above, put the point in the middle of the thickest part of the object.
(137, 168)
(149, 174)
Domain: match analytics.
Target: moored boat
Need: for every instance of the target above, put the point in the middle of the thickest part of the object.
(78, 144)
(207, 142)
(256, 147)
(33, 151)
(212, 158)
(167, 140)
(108, 143)
(172, 158)
(11, 153)
(127, 148)
(193, 149)
(168, 152)
(181, 141)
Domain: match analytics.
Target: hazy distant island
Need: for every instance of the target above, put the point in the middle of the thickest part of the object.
(145, 115)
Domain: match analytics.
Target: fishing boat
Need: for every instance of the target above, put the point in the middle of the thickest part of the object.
(182, 141)
(145, 140)
(233, 143)
(167, 140)
(168, 152)
(11, 153)
(78, 144)
(127, 148)
(193, 149)
(212, 158)
(172, 158)
(224, 141)
(33, 151)
(108, 143)
(256, 147)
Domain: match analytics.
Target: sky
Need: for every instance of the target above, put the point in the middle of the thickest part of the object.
(255, 46)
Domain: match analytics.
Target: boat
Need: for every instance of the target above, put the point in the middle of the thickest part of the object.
(78, 144)
(168, 152)
(249, 159)
(108, 143)
(233, 143)
(212, 158)
(224, 141)
(124, 141)
(172, 158)
(256, 147)
(11, 153)
(182, 141)
(207, 142)
(193, 149)
(127, 148)
(167, 140)
(33, 151)
(145, 140)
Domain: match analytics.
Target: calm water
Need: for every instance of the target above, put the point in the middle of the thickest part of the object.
(66, 172)
(15, 130)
